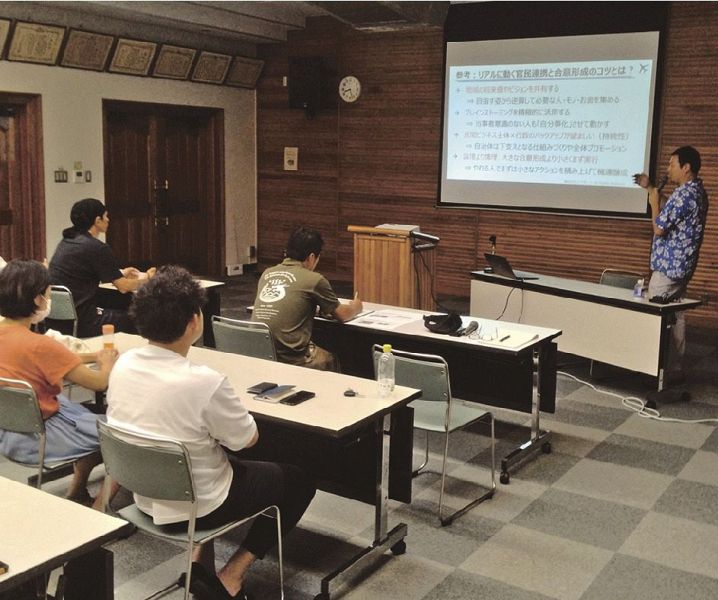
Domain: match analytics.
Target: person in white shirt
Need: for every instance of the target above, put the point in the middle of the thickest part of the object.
(156, 389)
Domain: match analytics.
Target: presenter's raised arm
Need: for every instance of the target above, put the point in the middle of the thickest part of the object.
(654, 202)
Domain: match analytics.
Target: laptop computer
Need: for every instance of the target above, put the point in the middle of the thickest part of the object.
(501, 266)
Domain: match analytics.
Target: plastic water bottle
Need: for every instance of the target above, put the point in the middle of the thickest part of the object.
(108, 336)
(638, 289)
(385, 372)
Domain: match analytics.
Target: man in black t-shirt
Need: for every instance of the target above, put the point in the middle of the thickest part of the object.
(81, 262)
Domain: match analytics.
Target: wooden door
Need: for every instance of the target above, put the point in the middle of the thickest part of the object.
(22, 196)
(164, 186)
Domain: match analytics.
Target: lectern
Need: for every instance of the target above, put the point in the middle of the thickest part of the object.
(391, 267)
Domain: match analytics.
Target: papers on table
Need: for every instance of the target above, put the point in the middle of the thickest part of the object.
(385, 319)
(510, 339)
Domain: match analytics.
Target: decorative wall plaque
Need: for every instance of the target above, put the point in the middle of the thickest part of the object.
(174, 62)
(85, 50)
(36, 43)
(4, 29)
(211, 67)
(244, 72)
(133, 57)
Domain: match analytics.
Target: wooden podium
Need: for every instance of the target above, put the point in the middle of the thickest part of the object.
(390, 267)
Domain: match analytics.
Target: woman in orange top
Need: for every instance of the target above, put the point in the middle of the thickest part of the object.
(71, 429)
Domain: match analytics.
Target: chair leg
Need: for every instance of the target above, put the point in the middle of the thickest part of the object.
(417, 471)
(443, 476)
(280, 552)
(188, 574)
(456, 514)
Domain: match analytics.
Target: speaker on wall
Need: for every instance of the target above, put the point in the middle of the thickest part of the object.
(311, 84)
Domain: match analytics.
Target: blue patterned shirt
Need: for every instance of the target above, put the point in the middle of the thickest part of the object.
(683, 218)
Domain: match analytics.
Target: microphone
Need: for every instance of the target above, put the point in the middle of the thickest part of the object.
(470, 328)
(419, 235)
(661, 183)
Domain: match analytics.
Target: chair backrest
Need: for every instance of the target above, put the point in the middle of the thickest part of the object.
(620, 279)
(427, 372)
(150, 466)
(249, 338)
(63, 306)
(19, 408)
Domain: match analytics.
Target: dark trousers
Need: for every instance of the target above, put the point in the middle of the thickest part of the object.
(255, 486)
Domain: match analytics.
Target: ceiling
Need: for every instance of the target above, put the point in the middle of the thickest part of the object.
(229, 27)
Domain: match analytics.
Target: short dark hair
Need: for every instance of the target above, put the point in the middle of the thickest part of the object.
(21, 281)
(163, 306)
(688, 154)
(303, 242)
(83, 215)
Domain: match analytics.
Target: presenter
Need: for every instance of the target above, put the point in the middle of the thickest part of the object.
(677, 236)
(288, 296)
(81, 261)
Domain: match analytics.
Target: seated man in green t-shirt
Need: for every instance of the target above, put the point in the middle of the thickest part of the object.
(288, 295)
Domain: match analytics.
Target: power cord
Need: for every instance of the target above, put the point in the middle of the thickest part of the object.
(635, 404)
(438, 305)
(506, 304)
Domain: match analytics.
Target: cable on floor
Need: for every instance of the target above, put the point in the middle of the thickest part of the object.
(637, 405)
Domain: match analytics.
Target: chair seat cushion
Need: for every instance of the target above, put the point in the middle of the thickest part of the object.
(430, 415)
(171, 532)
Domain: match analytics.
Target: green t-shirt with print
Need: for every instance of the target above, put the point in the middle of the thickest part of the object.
(287, 298)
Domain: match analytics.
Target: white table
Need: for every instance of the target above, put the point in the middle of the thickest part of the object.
(110, 297)
(599, 322)
(39, 532)
(205, 283)
(512, 373)
(329, 414)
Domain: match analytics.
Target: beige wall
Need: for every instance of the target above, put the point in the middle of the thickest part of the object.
(72, 131)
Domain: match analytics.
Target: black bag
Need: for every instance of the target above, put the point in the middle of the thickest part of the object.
(443, 323)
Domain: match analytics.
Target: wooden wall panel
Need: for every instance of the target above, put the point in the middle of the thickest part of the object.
(377, 160)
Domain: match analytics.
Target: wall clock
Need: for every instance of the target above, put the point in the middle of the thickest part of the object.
(349, 89)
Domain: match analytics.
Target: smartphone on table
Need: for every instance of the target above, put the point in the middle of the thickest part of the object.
(297, 398)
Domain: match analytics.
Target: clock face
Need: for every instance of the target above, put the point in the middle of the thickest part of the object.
(349, 89)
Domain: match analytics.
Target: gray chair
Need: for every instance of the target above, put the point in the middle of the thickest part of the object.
(248, 338)
(437, 411)
(20, 413)
(63, 306)
(620, 279)
(161, 469)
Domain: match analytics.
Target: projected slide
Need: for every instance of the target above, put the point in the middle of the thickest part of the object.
(564, 123)
(555, 123)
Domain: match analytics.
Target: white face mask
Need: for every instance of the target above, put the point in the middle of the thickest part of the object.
(40, 315)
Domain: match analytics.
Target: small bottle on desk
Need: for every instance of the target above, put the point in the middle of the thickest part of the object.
(108, 336)
(385, 372)
(638, 288)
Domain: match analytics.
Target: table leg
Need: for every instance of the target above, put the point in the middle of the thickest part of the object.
(383, 541)
(664, 344)
(540, 440)
(212, 308)
(90, 576)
